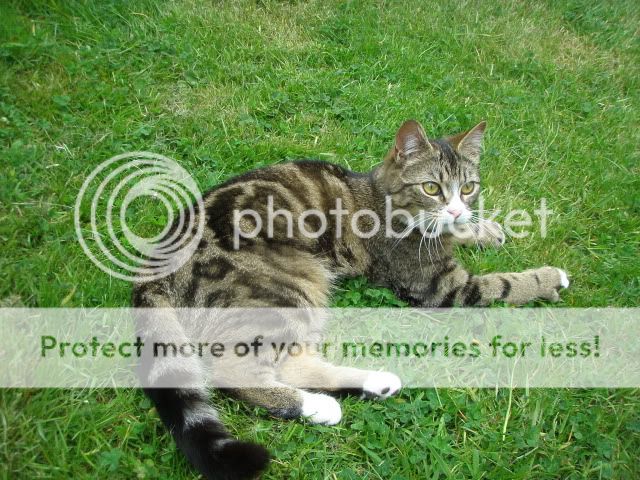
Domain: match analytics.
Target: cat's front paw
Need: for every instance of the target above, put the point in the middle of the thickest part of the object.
(381, 385)
(490, 234)
(550, 281)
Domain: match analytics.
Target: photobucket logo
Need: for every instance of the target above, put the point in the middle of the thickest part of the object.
(106, 200)
(394, 223)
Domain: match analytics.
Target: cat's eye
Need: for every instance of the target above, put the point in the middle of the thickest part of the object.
(467, 188)
(431, 188)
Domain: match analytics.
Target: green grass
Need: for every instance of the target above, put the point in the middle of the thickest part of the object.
(223, 88)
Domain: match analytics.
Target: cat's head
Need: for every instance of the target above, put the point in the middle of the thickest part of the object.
(438, 177)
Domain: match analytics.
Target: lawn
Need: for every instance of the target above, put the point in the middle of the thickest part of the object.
(226, 87)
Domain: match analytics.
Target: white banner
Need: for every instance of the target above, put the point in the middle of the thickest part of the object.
(485, 348)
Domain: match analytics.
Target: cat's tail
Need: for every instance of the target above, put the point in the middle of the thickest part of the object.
(203, 439)
(177, 387)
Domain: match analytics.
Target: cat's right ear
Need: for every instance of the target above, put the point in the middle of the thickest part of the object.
(409, 139)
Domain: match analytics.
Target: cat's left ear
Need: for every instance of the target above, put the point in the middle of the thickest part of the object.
(469, 144)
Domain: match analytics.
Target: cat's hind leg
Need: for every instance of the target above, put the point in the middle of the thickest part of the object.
(311, 371)
(254, 381)
(288, 402)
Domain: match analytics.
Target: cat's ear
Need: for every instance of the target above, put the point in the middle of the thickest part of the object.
(409, 139)
(469, 144)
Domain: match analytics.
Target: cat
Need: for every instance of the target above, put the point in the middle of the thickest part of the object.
(230, 268)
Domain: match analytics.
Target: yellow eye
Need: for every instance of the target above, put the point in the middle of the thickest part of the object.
(431, 188)
(467, 188)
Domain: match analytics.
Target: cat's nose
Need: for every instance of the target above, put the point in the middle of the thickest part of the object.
(455, 212)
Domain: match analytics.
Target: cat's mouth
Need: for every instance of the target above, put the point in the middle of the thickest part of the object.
(442, 223)
(437, 225)
(446, 220)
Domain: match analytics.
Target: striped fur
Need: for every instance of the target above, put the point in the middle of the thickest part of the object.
(300, 272)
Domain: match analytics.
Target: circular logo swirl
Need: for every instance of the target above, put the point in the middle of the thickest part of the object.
(111, 243)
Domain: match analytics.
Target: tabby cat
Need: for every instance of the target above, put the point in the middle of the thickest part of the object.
(439, 177)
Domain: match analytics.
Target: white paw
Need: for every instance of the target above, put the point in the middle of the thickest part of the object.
(320, 408)
(564, 280)
(381, 384)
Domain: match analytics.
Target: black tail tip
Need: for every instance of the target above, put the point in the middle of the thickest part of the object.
(245, 459)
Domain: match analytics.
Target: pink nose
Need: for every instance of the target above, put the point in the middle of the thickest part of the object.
(454, 212)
